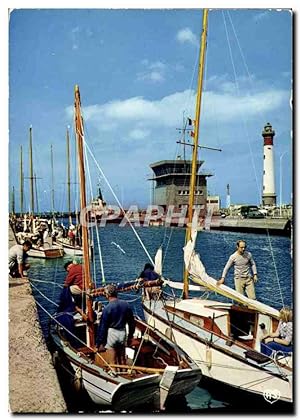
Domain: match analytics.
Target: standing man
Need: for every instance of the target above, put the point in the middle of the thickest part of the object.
(111, 334)
(243, 262)
(74, 280)
(16, 259)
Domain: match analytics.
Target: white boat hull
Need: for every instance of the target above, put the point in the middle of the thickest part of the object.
(47, 253)
(125, 391)
(218, 362)
(75, 251)
(106, 392)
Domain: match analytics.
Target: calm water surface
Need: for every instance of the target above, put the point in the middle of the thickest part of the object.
(272, 255)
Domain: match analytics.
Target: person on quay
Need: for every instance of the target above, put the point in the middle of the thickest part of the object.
(281, 339)
(74, 280)
(111, 334)
(243, 263)
(17, 259)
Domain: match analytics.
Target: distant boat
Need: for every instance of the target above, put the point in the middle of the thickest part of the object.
(41, 247)
(69, 250)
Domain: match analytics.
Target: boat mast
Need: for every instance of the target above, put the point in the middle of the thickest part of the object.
(85, 244)
(69, 177)
(13, 201)
(52, 180)
(36, 195)
(31, 172)
(21, 182)
(195, 146)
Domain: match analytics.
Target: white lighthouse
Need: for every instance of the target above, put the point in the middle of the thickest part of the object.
(268, 194)
(228, 197)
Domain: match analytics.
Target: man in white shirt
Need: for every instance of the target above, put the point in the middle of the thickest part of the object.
(16, 259)
(243, 265)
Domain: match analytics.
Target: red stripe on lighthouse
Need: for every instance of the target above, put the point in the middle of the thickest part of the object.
(268, 141)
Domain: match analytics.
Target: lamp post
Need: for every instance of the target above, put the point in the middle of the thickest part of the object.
(280, 179)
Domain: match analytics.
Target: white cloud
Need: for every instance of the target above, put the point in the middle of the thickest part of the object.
(139, 134)
(153, 72)
(229, 107)
(260, 16)
(186, 35)
(153, 76)
(164, 112)
(135, 118)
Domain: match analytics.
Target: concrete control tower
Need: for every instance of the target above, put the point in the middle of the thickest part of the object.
(268, 193)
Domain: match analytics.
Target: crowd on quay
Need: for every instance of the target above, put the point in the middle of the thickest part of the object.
(39, 230)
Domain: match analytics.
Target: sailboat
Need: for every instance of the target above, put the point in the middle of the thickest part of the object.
(156, 368)
(222, 338)
(70, 249)
(35, 228)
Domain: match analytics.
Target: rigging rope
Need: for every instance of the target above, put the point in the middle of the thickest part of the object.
(96, 226)
(238, 95)
(120, 205)
(42, 294)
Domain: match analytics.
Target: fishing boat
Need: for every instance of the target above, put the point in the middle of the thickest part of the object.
(68, 249)
(35, 230)
(155, 368)
(45, 252)
(222, 338)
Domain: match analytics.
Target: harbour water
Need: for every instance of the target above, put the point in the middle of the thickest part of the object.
(124, 258)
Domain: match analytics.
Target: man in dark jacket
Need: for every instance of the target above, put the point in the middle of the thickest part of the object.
(148, 273)
(111, 334)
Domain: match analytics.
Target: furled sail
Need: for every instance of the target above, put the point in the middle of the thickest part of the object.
(158, 262)
(198, 274)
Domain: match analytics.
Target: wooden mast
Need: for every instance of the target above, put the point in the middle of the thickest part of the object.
(195, 146)
(31, 172)
(69, 177)
(85, 242)
(36, 195)
(52, 180)
(13, 201)
(21, 182)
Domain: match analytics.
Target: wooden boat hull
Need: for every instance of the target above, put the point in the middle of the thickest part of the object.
(48, 253)
(70, 250)
(225, 364)
(125, 391)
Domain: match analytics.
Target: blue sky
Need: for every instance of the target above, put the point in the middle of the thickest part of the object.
(136, 73)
